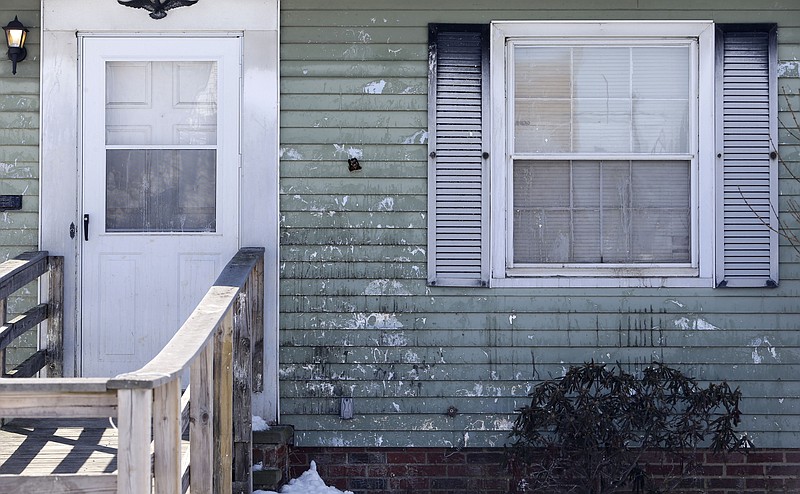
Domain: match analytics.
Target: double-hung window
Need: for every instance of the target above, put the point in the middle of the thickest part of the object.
(606, 157)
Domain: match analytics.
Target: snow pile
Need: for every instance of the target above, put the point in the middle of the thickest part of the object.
(259, 424)
(308, 483)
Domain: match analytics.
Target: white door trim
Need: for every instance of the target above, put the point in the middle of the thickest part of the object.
(257, 22)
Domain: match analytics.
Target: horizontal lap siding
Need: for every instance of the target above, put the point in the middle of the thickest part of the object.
(19, 156)
(357, 317)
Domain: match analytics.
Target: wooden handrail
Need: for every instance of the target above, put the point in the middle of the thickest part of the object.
(15, 274)
(216, 346)
(198, 329)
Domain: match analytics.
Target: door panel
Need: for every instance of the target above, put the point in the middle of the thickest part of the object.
(160, 188)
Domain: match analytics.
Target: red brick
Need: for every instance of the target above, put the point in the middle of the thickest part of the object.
(711, 470)
(783, 470)
(445, 456)
(369, 458)
(415, 484)
(378, 471)
(724, 483)
(765, 457)
(394, 457)
(460, 471)
(486, 457)
(729, 458)
(744, 470)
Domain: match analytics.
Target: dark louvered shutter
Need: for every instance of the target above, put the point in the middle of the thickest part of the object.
(458, 236)
(747, 242)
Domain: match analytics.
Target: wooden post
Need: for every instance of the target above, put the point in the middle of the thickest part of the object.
(256, 295)
(3, 317)
(167, 438)
(133, 453)
(242, 399)
(223, 406)
(201, 421)
(54, 361)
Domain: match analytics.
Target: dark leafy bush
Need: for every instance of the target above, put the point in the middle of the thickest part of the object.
(598, 430)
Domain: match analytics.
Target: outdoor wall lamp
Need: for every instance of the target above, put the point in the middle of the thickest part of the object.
(16, 34)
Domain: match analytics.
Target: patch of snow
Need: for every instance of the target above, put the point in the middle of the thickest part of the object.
(259, 424)
(308, 483)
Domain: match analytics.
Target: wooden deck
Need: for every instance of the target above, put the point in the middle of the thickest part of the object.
(62, 440)
(58, 446)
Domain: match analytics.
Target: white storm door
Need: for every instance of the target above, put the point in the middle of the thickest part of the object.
(160, 177)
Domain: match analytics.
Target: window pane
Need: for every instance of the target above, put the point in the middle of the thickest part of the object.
(138, 92)
(161, 190)
(602, 126)
(601, 212)
(543, 106)
(598, 99)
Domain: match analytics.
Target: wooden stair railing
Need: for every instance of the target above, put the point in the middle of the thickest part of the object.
(14, 275)
(215, 345)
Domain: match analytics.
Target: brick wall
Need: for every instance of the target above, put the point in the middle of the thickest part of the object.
(483, 471)
(407, 470)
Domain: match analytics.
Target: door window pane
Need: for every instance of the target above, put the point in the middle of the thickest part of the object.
(161, 103)
(161, 137)
(161, 190)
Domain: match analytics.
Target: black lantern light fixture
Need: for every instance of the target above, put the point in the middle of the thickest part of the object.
(16, 34)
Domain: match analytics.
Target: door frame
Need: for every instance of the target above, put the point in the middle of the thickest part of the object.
(60, 162)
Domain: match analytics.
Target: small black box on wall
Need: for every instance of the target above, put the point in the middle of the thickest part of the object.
(10, 202)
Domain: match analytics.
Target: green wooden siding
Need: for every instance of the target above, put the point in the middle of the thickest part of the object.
(357, 318)
(19, 156)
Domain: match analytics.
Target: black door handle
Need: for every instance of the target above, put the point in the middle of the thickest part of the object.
(86, 227)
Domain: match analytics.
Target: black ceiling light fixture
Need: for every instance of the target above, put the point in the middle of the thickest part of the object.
(157, 8)
(16, 35)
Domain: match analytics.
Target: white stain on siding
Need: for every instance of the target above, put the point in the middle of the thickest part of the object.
(760, 344)
(375, 87)
(386, 287)
(789, 68)
(394, 339)
(375, 320)
(387, 204)
(290, 154)
(333, 441)
(350, 151)
(418, 137)
(676, 303)
(687, 324)
(503, 424)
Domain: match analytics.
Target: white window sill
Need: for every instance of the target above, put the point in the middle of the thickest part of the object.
(556, 281)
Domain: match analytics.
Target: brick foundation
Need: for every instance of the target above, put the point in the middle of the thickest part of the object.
(483, 471)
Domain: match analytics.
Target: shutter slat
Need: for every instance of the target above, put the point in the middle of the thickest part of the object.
(457, 175)
(747, 133)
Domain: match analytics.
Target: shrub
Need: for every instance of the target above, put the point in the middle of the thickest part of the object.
(594, 430)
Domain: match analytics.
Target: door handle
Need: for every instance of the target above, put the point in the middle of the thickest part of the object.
(86, 227)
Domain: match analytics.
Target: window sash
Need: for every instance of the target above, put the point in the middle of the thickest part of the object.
(587, 106)
(686, 267)
(601, 212)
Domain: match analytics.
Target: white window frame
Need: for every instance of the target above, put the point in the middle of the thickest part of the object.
(700, 271)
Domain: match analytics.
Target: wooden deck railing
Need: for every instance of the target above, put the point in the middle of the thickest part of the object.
(14, 275)
(221, 347)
